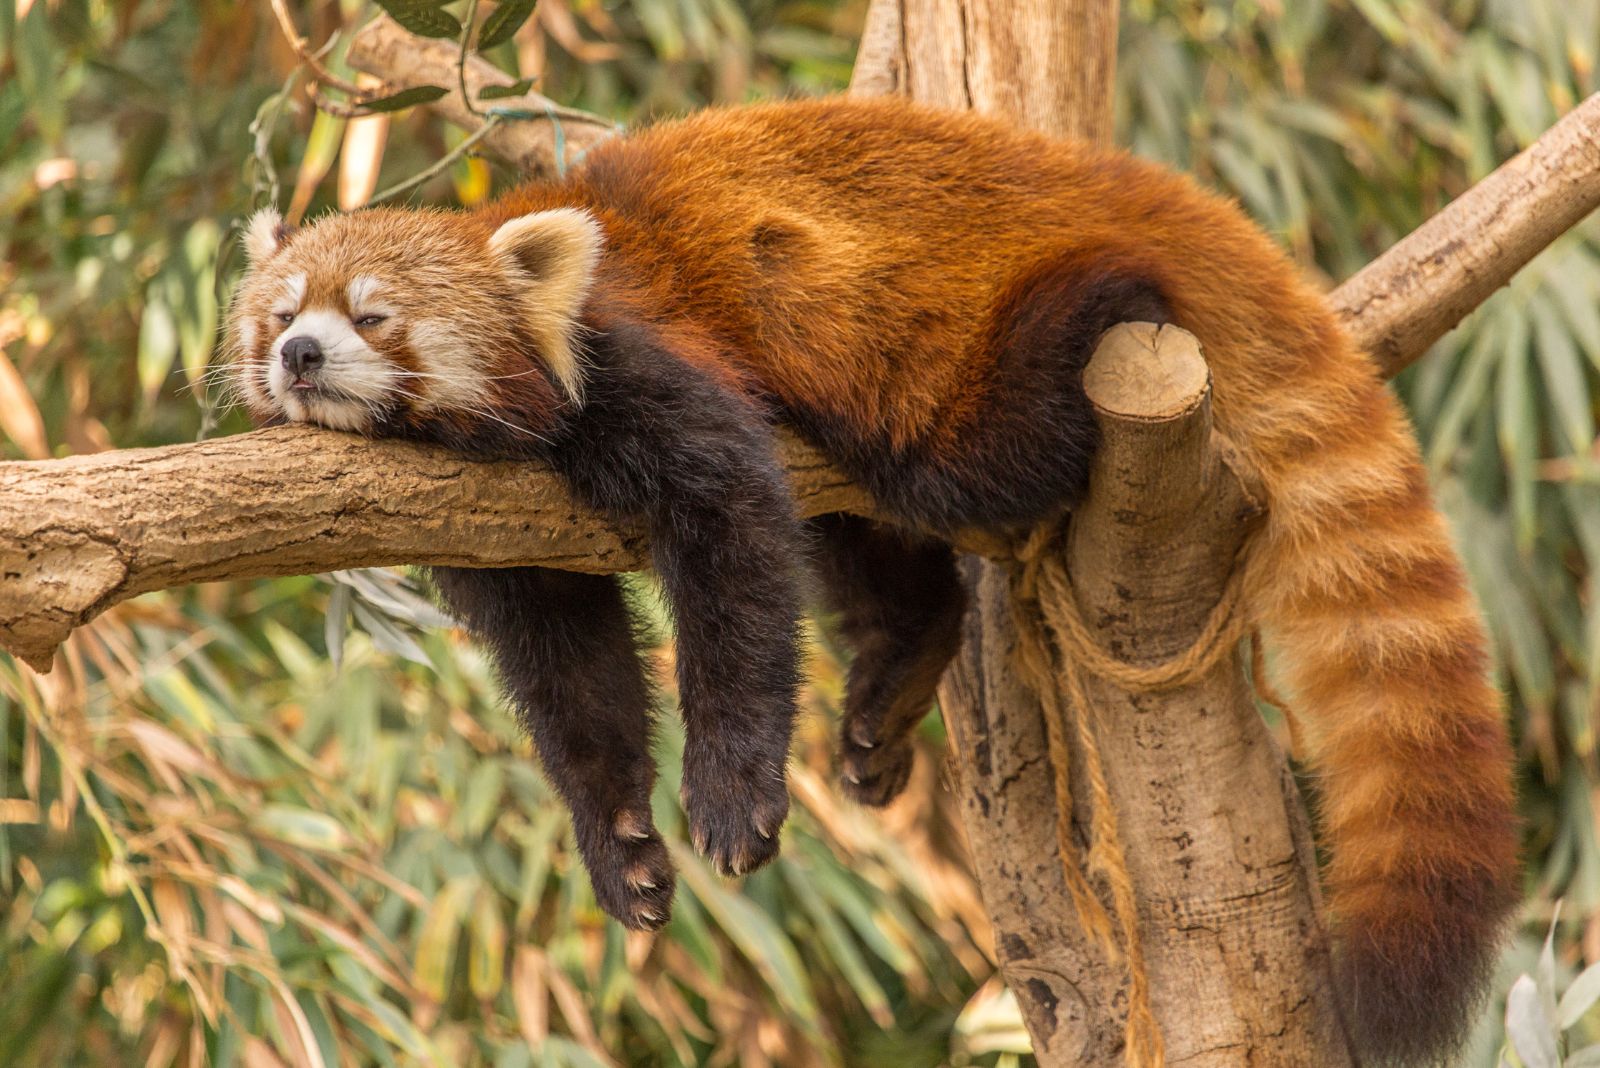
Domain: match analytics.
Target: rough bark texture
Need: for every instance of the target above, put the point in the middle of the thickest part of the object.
(81, 534)
(1415, 293)
(1043, 64)
(385, 49)
(1228, 919)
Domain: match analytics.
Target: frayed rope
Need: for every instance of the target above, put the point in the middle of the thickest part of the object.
(1055, 650)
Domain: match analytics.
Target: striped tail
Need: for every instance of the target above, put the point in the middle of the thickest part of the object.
(1380, 643)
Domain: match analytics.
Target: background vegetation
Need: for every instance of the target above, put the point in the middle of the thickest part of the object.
(286, 822)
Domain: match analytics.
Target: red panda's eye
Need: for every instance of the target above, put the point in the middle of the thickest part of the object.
(370, 320)
(284, 317)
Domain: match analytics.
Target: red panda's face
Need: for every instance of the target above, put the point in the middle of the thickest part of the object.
(362, 321)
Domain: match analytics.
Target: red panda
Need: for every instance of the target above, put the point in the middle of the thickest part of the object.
(916, 292)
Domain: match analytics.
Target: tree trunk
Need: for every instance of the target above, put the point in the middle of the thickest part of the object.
(1227, 906)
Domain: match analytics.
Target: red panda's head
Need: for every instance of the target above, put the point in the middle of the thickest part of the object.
(374, 319)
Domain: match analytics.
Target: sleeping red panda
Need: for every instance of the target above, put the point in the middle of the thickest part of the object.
(916, 292)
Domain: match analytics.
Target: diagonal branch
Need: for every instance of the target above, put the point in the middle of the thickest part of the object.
(1414, 294)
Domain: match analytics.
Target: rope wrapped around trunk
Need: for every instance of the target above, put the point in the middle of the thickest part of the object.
(1055, 652)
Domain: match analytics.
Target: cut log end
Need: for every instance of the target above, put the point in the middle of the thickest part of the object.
(1145, 371)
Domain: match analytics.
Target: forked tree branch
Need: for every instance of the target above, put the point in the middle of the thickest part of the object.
(82, 534)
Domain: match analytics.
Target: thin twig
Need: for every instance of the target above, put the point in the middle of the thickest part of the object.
(443, 164)
(467, 22)
(354, 110)
(310, 59)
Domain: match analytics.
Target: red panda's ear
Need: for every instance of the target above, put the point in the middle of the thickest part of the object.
(263, 234)
(556, 252)
(555, 249)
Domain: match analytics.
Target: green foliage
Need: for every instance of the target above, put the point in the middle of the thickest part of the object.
(406, 98)
(220, 837)
(425, 18)
(503, 22)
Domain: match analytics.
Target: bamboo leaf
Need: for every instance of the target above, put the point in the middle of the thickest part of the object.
(758, 938)
(407, 98)
(487, 959)
(336, 623)
(302, 826)
(503, 23)
(425, 18)
(1531, 1032)
(436, 944)
(158, 341)
(1563, 375)
(1579, 998)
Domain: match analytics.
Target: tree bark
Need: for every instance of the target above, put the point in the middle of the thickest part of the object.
(1222, 861)
(1039, 63)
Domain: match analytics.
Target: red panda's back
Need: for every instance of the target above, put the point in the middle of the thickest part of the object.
(853, 258)
(850, 255)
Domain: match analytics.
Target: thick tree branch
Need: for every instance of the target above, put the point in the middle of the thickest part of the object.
(1227, 898)
(1227, 912)
(81, 534)
(1412, 295)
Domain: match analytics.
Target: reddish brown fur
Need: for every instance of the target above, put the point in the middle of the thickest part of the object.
(803, 235)
(866, 263)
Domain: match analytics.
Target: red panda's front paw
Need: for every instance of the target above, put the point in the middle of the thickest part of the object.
(734, 822)
(631, 871)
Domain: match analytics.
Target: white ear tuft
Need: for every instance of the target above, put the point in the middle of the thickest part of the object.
(263, 234)
(556, 252)
(551, 246)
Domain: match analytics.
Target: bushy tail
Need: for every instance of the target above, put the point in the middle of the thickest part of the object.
(1383, 652)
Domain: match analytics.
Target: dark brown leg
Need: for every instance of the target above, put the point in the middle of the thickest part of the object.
(899, 601)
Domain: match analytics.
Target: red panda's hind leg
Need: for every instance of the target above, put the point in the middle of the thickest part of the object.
(899, 603)
(564, 648)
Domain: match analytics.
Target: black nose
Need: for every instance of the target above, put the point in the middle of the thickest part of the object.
(302, 354)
